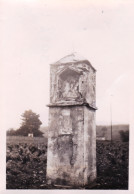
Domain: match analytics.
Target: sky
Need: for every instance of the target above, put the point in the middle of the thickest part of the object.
(36, 33)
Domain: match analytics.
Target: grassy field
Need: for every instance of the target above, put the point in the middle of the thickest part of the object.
(26, 165)
(28, 140)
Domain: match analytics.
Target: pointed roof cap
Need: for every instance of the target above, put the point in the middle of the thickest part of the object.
(73, 58)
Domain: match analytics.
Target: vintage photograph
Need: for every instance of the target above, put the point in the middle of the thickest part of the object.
(65, 81)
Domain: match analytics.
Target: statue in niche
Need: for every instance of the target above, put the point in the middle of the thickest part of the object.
(69, 89)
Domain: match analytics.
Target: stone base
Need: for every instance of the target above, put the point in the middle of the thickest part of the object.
(71, 159)
(92, 185)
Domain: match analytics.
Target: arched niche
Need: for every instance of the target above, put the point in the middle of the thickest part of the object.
(68, 85)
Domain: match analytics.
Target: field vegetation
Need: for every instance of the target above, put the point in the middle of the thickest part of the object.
(26, 165)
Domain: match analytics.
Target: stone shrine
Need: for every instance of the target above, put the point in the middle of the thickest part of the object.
(71, 156)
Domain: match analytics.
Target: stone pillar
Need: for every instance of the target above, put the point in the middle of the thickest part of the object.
(71, 157)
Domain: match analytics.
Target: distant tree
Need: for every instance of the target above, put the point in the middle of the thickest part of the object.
(124, 135)
(11, 132)
(31, 124)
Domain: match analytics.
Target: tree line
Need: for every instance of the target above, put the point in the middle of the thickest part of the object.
(30, 125)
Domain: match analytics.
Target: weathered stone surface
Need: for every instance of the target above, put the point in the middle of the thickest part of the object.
(89, 146)
(72, 82)
(71, 158)
(65, 155)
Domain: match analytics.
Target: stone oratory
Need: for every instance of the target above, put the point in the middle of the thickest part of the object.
(71, 156)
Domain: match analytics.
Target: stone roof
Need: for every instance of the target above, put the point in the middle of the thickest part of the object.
(72, 58)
